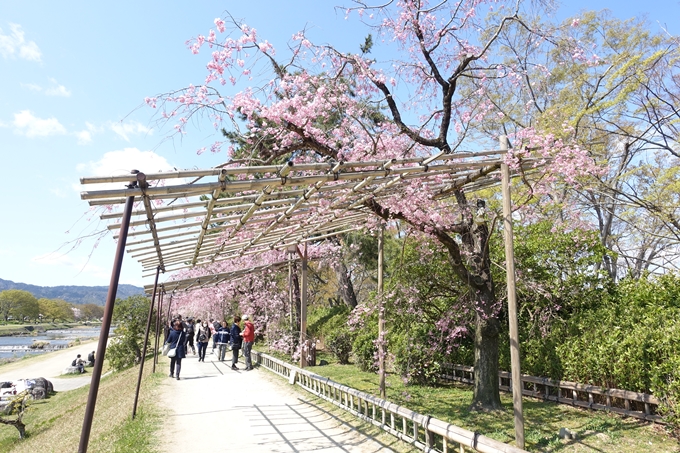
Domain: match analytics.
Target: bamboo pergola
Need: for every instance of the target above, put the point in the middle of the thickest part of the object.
(234, 211)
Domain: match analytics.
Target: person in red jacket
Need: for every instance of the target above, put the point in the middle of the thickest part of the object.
(248, 335)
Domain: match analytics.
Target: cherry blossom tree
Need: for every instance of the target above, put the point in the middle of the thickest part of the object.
(321, 103)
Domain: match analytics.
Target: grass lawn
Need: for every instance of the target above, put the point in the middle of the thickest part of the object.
(598, 431)
(54, 424)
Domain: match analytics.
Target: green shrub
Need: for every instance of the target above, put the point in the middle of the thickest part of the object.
(364, 348)
(339, 342)
(131, 315)
(322, 321)
(414, 358)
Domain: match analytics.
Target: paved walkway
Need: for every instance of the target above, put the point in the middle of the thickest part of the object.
(253, 411)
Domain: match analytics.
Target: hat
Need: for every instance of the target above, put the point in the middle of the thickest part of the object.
(245, 317)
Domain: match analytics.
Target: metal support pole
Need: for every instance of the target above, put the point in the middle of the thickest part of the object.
(158, 328)
(167, 322)
(512, 301)
(303, 308)
(381, 313)
(146, 341)
(106, 324)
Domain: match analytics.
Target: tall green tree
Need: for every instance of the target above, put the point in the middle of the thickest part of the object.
(18, 303)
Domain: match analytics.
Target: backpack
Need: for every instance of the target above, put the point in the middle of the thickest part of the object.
(74, 362)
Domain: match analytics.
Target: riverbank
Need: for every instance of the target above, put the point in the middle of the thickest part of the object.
(27, 330)
(19, 341)
(50, 366)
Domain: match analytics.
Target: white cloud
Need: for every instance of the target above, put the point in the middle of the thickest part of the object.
(14, 44)
(121, 163)
(32, 86)
(84, 137)
(130, 128)
(25, 123)
(57, 90)
(54, 90)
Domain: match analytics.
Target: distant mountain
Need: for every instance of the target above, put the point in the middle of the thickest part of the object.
(73, 294)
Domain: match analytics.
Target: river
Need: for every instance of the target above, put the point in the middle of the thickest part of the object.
(18, 346)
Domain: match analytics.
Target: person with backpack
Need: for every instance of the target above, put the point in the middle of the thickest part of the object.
(79, 363)
(202, 337)
(235, 342)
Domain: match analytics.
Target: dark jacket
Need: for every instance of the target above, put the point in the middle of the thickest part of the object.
(173, 340)
(222, 335)
(235, 336)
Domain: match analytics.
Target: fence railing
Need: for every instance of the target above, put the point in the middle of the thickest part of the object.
(631, 404)
(422, 431)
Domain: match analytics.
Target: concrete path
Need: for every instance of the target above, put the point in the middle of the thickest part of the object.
(251, 411)
(50, 365)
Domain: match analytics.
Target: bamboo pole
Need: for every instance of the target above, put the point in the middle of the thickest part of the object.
(146, 341)
(208, 214)
(182, 254)
(303, 308)
(300, 167)
(290, 289)
(512, 302)
(167, 322)
(179, 264)
(381, 312)
(106, 325)
(186, 190)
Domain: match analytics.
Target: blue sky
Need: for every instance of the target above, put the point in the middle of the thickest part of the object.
(73, 76)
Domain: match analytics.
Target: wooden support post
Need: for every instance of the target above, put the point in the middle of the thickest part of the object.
(167, 321)
(146, 341)
(303, 309)
(512, 301)
(290, 292)
(381, 313)
(158, 329)
(106, 323)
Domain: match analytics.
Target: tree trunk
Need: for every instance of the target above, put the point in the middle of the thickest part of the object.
(486, 394)
(345, 286)
(296, 297)
(469, 258)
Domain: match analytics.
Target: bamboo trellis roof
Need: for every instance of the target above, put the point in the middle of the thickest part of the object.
(183, 225)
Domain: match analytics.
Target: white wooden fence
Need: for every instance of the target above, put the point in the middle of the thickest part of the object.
(422, 431)
(631, 404)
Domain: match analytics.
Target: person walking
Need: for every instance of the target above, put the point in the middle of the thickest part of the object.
(189, 330)
(235, 342)
(223, 337)
(176, 342)
(202, 337)
(248, 335)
